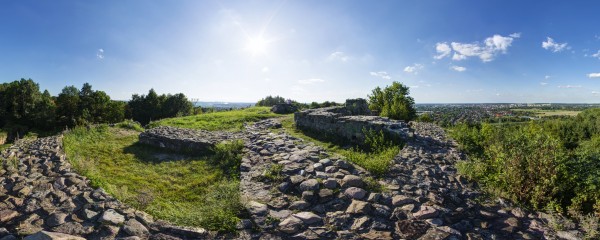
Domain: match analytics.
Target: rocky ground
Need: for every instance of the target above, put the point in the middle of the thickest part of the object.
(293, 190)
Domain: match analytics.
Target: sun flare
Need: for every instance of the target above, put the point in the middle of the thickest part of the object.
(257, 45)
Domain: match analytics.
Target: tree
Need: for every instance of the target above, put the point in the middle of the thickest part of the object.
(177, 105)
(146, 108)
(270, 101)
(393, 102)
(68, 106)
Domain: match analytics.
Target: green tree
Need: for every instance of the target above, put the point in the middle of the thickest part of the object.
(177, 105)
(67, 106)
(393, 102)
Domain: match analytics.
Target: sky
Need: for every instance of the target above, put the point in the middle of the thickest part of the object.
(446, 51)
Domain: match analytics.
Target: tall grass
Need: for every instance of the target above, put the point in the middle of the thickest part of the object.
(226, 121)
(182, 189)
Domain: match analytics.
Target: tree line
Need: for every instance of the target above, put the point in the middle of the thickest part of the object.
(23, 107)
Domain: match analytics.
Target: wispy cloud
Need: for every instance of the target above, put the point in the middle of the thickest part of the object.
(338, 56)
(596, 55)
(595, 93)
(310, 81)
(569, 86)
(443, 49)
(547, 77)
(265, 69)
(100, 53)
(458, 68)
(415, 68)
(553, 46)
(381, 74)
(543, 83)
(593, 75)
(486, 51)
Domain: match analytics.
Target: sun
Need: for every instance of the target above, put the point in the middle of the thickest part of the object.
(257, 46)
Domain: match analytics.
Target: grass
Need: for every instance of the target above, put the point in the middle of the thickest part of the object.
(182, 189)
(548, 113)
(376, 162)
(4, 146)
(226, 121)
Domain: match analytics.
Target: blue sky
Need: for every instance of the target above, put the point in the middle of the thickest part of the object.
(240, 51)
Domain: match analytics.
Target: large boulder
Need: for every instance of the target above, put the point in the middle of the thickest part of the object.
(284, 108)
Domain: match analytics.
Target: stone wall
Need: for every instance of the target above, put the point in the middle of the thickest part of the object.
(186, 140)
(342, 122)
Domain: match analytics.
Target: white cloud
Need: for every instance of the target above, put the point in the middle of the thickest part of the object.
(549, 44)
(338, 56)
(458, 68)
(486, 51)
(265, 69)
(594, 75)
(381, 74)
(443, 49)
(595, 93)
(415, 86)
(310, 81)
(569, 86)
(596, 55)
(415, 68)
(543, 83)
(100, 53)
(547, 77)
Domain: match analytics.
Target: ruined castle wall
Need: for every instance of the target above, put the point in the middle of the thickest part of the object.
(337, 121)
(186, 140)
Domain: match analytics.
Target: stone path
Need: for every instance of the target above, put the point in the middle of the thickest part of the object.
(321, 196)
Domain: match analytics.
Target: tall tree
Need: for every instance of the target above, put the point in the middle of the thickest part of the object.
(393, 102)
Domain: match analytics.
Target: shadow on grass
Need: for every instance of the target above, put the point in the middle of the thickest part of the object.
(153, 154)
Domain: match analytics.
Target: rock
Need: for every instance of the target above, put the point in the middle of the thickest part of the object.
(434, 234)
(7, 215)
(110, 216)
(299, 205)
(291, 225)
(257, 208)
(325, 195)
(308, 218)
(55, 219)
(400, 200)
(359, 207)
(374, 197)
(309, 185)
(135, 228)
(283, 108)
(360, 224)
(411, 229)
(88, 214)
(280, 215)
(435, 221)
(352, 181)
(377, 235)
(44, 235)
(330, 183)
(73, 228)
(309, 196)
(355, 193)
(426, 212)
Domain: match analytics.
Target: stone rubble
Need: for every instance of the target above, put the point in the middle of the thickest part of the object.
(292, 189)
(323, 196)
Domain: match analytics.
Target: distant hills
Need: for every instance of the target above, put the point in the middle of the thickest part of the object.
(223, 105)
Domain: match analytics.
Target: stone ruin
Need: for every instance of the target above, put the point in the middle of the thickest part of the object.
(348, 121)
(185, 140)
(283, 108)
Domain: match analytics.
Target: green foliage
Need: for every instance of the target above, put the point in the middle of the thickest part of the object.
(146, 108)
(393, 102)
(269, 101)
(553, 164)
(228, 120)
(273, 173)
(182, 189)
(131, 125)
(228, 157)
(377, 162)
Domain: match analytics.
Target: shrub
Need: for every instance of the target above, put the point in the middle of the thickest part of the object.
(393, 102)
(228, 157)
(131, 125)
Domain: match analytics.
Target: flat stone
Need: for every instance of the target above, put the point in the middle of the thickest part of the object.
(111, 216)
(282, 214)
(257, 208)
(355, 193)
(55, 219)
(135, 228)
(308, 217)
(426, 212)
(434, 234)
(7, 215)
(330, 183)
(309, 185)
(359, 207)
(377, 235)
(44, 235)
(299, 205)
(352, 181)
(400, 200)
(291, 225)
(411, 229)
(360, 224)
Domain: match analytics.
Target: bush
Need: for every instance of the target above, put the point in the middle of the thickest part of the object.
(131, 125)
(393, 102)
